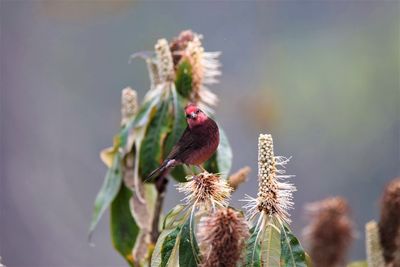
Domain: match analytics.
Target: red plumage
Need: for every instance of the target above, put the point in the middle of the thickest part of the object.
(197, 144)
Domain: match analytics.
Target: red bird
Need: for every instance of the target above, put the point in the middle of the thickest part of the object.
(196, 145)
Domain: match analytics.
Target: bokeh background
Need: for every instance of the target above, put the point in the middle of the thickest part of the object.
(321, 76)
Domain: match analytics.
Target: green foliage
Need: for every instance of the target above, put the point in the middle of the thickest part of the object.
(253, 253)
(150, 152)
(221, 161)
(124, 229)
(188, 248)
(108, 192)
(271, 247)
(184, 79)
(177, 244)
(168, 246)
(358, 264)
(292, 254)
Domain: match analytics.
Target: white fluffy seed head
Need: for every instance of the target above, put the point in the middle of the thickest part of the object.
(207, 190)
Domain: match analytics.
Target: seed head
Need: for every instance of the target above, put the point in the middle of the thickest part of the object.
(330, 231)
(206, 190)
(165, 62)
(274, 196)
(129, 104)
(373, 245)
(222, 238)
(204, 66)
(239, 177)
(389, 224)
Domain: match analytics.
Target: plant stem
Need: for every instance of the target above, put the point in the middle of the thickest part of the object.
(161, 186)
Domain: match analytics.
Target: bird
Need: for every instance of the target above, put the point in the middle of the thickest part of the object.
(197, 144)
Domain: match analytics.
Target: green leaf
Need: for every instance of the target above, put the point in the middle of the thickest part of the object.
(224, 154)
(253, 249)
(358, 264)
(141, 119)
(156, 256)
(183, 81)
(150, 151)
(270, 246)
(171, 217)
(179, 124)
(188, 248)
(107, 193)
(178, 127)
(221, 161)
(292, 253)
(168, 246)
(124, 229)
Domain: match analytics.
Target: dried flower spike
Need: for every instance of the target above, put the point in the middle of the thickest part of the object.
(164, 61)
(206, 190)
(222, 238)
(274, 196)
(389, 224)
(330, 231)
(239, 177)
(373, 245)
(204, 66)
(129, 104)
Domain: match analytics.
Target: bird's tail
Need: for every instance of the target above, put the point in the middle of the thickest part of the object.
(162, 170)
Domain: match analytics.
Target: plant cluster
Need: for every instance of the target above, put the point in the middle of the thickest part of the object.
(204, 230)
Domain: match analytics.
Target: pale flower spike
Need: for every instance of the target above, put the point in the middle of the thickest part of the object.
(164, 60)
(205, 66)
(129, 104)
(274, 196)
(205, 191)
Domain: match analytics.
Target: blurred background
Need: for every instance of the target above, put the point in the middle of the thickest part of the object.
(321, 76)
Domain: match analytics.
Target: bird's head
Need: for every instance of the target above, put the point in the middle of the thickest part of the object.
(194, 115)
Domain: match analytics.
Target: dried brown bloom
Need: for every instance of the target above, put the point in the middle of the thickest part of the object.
(239, 177)
(330, 231)
(204, 66)
(222, 238)
(179, 44)
(206, 190)
(389, 224)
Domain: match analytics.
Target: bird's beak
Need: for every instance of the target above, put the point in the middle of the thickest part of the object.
(193, 115)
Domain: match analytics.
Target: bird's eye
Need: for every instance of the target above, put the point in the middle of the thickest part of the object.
(197, 111)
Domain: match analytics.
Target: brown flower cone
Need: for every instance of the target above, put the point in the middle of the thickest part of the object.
(389, 224)
(330, 232)
(222, 238)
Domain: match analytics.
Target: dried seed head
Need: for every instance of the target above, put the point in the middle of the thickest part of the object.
(222, 238)
(274, 196)
(389, 224)
(129, 104)
(206, 190)
(205, 69)
(330, 231)
(239, 177)
(164, 61)
(204, 66)
(179, 44)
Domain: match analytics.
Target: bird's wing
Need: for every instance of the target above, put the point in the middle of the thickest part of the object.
(183, 146)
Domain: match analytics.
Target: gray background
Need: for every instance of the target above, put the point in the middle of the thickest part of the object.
(321, 76)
